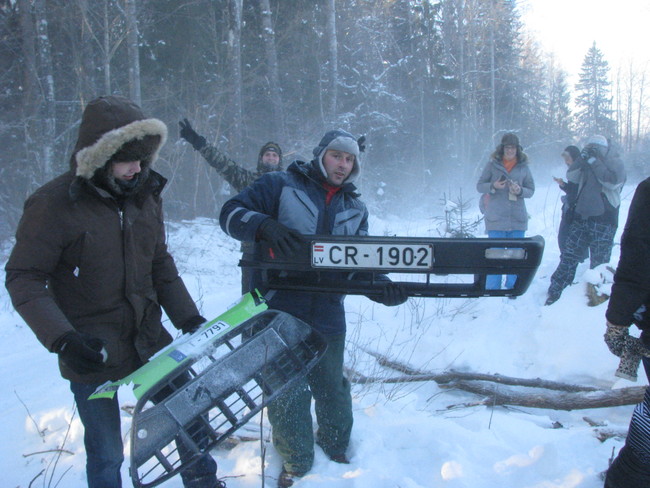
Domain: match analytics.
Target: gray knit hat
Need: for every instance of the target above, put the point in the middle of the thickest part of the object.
(340, 140)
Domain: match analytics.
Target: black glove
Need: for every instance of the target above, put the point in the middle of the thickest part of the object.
(198, 142)
(589, 155)
(615, 338)
(81, 353)
(393, 294)
(192, 325)
(282, 239)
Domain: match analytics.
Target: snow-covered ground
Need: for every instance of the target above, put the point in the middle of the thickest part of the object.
(407, 435)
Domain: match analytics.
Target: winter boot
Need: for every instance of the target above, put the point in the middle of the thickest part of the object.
(287, 478)
(340, 458)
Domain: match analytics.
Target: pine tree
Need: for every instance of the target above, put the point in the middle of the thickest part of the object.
(594, 101)
(558, 116)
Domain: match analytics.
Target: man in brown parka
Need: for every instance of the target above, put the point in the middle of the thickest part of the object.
(90, 272)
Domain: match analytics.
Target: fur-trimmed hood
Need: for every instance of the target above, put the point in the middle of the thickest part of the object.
(107, 124)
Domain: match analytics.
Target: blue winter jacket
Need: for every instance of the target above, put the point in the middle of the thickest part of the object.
(296, 198)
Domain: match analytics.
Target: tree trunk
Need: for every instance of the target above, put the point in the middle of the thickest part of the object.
(498, 390)
(48, 110)
(640, 111)
(133, 51)
(333, 59)
(268, 35)
(30, 77)
(107, 50)
(234, 56)
(85, 55)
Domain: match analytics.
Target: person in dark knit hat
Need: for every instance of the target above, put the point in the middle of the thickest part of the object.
(268, 160)
(90, 272)
(506, 181)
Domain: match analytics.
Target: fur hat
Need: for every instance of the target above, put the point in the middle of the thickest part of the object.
(340, 140)
(113, 128)
(510, 139)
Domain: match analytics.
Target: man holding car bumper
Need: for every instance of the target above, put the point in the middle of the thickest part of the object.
(315, 198)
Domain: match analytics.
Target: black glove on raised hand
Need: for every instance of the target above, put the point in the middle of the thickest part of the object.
(282, 239)
(81, 353)
(192, 325)
(393, 294)
(198, 142)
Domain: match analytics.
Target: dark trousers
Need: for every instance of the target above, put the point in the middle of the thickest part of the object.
(584, 235)
(104, 448)
(290, 414)
(563, 233)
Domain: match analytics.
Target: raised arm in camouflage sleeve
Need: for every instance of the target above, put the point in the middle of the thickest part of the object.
(238, 177)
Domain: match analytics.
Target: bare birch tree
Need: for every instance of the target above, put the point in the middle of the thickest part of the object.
(332, 45)
(268, 35)
(133, 51)
(234, 57)
(48, 106)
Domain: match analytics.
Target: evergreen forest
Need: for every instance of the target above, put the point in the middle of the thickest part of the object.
(432, 84)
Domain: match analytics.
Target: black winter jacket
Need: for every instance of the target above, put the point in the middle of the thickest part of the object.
(84, 261)
(631, 288)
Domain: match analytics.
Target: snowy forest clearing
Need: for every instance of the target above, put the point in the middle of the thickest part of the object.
(415, 434)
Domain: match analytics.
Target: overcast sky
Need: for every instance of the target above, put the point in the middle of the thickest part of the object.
(569, 27)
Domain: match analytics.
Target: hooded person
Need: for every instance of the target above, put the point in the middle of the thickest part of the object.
(90, 273)
(309, 198)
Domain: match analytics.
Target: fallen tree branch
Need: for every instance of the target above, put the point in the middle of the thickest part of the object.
(47, 451)
(536, 392)
(553, 400)
(452, 376)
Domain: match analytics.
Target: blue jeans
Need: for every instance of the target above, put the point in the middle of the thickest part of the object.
(104, 448)
(493, 282)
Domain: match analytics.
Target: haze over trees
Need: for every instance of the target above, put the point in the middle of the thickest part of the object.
(432, 84)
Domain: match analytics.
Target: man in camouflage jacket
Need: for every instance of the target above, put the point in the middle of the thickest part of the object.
(269, 159)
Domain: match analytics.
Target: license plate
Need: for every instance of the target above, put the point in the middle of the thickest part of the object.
(383, 256)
